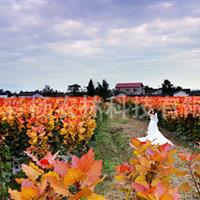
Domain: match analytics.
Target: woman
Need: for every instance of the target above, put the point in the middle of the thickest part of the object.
(153, 134)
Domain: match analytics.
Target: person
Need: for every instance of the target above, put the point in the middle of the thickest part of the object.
(153, 133)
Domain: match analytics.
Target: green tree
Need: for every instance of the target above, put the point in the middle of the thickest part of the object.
(47, 91)
(167, 88)
(102, 90)
(74, 89)
(90, 88)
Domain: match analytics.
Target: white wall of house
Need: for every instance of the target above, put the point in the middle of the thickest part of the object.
(3, 96)
(37, 95)
(135, 90)
(158, 92)
(180, 94)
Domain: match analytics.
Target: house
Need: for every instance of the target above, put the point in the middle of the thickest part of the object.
(157, 92)
(181, 93)
(195, 93)
(37, 95)
(3, 96)
(30, 95)
(131, 88)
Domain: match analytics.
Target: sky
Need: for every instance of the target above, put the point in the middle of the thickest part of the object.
(62, 42)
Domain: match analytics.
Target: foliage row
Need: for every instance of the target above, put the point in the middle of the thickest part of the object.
(180, 115)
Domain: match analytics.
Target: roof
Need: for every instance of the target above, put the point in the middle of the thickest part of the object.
(183, 90)
(128, 85)
(29, 94)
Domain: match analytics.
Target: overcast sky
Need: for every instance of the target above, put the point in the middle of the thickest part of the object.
(60, 42)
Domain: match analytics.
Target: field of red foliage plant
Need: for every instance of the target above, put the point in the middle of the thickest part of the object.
(51, 136)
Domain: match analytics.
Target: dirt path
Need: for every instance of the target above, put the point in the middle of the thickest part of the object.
(129, 128)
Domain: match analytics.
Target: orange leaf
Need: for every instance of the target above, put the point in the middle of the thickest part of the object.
(29, 193)
(58, 187)
(184, 187)
(93, 174)
(186, 157)
(60, 167)
(166, 196)
(85, 162)
(85, 192)
(73, 176)
(32, 171)
(135, 142)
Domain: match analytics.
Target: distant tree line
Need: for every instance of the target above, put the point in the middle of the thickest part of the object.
(168, 89)
(100, 89)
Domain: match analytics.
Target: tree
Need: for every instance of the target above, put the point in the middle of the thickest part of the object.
(47, 91)
(9, 93)
(167, 88)
(74, 89)
(148, 90)
(102, 90)
(178, 88)
(90, 88)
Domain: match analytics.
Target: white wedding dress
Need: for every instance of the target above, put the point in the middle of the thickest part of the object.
(153, 134)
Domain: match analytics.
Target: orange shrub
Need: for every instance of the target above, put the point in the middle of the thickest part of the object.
(53, 179)
(146, 176)
(68, 121)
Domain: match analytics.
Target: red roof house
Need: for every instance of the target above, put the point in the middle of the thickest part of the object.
(131, 88)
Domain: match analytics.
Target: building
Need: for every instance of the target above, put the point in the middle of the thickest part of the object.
(30, 95)
(131, 88)
(3, 96)
(157, 92)
(37, 95)
(181, 93)
(195, 93)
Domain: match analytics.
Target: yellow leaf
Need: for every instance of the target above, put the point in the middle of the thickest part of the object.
(82, 130)
(73, 176)
(95, 197)
(15, 195)
(141, 180)
(32, 171)
(166, 196)
(29, 193)
(119, 178)
(19, 180)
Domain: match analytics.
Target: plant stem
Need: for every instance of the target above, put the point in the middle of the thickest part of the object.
(194, 180)
(2, 194)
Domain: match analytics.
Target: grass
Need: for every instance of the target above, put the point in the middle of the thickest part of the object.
(111, 146)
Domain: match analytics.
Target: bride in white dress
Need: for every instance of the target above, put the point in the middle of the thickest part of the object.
(153, 134)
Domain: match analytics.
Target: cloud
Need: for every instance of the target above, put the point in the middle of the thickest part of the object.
(80, 48)
(69, 27)
(156, 33)
(128, 41)
(22, 5)
(185, 56)
(29, 60)
(23, 13)
(164, 5)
